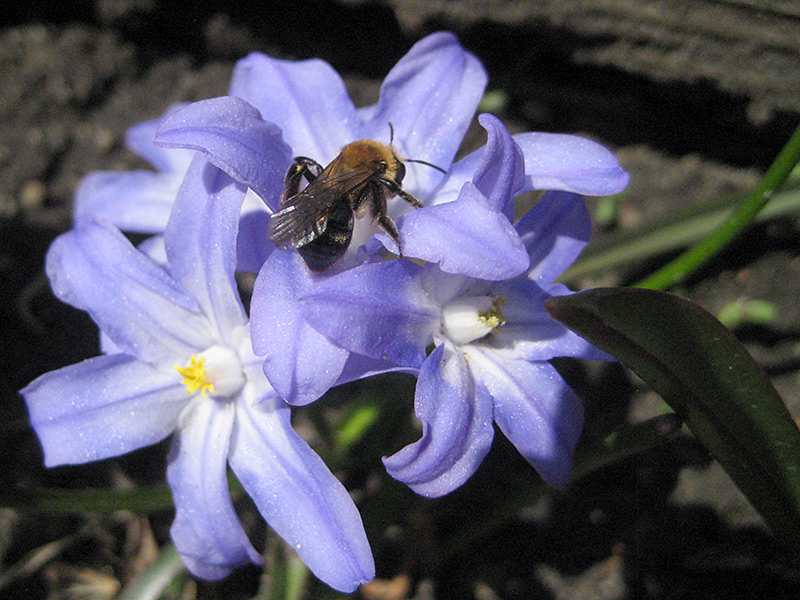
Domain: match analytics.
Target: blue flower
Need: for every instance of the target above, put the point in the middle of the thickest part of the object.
(492, 339)
(136, 201)
(141, 201)
(181, 363)
(429, 98)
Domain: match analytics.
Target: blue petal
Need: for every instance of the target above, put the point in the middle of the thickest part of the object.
(466, 236)
(206, 530)
(154, 248)
(360, 367)
(501, 171)
(535, 409)
(497, 169)
(570, 163)
(201, 244)
(300, 362)
(430, 97)
(140, 137)
(137, 201)
(132, 299)
(103, 407)
(458, 174)
(234, 137)
(378, 310)
(530, 333)
(555, 231)
(298, 496)
(106, 345)
(306, 99)
(457, 429)
(252, 245)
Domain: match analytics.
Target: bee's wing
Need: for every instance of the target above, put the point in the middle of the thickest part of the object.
(296, 224)
(304, 216)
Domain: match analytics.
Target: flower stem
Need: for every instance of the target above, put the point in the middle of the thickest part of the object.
(694, 258)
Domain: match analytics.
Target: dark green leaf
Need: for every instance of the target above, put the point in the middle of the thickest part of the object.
(708, 378)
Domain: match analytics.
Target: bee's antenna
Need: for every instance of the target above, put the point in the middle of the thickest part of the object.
(423, 162)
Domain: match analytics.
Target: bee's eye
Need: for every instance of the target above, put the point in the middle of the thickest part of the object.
(401, 172)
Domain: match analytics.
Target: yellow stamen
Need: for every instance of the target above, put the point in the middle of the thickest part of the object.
(494, 317)
(194, 376)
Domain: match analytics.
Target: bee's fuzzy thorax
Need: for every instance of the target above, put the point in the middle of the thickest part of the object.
(318, 219)
(368, 152)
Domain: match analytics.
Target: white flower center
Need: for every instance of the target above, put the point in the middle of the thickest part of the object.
(467, 319)
(216, 371)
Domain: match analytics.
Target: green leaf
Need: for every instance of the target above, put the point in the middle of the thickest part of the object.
(66, 501)
(285, 575)
(155, 579)
(680, 227)
(741, 311)
(707, 377)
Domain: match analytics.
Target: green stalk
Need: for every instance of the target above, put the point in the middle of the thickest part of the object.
(667, 235)
(694, 258)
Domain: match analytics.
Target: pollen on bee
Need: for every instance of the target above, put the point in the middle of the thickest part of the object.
(195, 376)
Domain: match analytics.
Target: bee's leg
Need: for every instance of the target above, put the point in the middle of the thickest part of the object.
(372, 195)
(378, 194)
(302, 167)
(395, 189)
(389, 228)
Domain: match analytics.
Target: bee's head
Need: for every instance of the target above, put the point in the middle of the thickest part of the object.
(399, 171)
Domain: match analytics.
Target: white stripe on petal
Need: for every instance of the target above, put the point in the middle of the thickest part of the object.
(298, 496)
(206, 530)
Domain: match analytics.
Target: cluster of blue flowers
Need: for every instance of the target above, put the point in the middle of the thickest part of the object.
(182, 357)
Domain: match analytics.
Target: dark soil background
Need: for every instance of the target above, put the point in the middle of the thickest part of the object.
(696, 98)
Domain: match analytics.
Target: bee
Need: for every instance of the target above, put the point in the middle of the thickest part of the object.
(318, 219)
